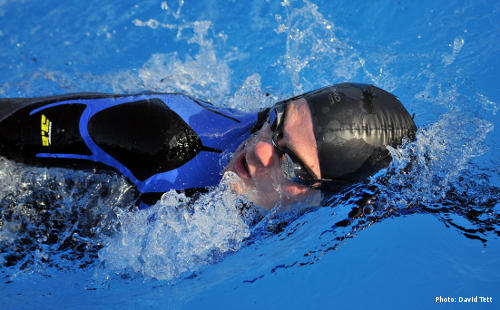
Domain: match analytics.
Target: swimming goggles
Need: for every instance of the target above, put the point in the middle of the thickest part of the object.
(292, 166)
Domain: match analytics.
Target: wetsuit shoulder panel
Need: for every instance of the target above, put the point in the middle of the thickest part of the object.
(146, 136)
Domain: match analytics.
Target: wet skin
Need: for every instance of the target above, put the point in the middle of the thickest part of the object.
(257, 163)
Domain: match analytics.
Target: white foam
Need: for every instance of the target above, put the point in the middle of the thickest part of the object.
(203, 75)
(428, 167)
(178, 235)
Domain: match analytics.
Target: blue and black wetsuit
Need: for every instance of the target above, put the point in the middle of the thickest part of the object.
(172, 141)
(157, 141)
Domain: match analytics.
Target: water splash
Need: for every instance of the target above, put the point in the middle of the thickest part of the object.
(250, 97)
(436, 162)
(68, 225)
(458, 43)
(329, 56)
(54, 217)
(203, 76)
(487, 104)
(434, 174)
(178, 235)
(152, 243)
(177, 13)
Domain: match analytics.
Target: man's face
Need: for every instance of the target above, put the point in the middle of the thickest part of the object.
(257, 162)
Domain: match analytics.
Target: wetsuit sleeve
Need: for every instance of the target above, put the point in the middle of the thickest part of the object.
(138, 136)
(24, 134)
(157, 141)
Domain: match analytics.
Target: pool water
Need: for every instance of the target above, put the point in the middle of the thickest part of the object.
(425, 227)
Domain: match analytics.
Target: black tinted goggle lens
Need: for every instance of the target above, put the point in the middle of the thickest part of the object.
(276, 116)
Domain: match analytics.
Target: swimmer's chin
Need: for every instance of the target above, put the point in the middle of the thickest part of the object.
(234, 182)
(240, 187)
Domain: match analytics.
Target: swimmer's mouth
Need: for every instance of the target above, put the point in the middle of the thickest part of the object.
(241, 167)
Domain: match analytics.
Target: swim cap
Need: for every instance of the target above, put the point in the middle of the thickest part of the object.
(353, 124)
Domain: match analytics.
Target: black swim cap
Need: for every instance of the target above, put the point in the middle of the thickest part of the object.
(353, 124)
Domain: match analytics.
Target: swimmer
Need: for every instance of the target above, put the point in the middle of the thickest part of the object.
(323, 140)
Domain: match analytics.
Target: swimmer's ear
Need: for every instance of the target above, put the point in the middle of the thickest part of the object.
(295, 189)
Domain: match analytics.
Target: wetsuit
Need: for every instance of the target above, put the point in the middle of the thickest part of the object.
(172, 141)
(157, 141)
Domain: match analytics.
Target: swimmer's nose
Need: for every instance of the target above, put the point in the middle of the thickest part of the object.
(264, 152)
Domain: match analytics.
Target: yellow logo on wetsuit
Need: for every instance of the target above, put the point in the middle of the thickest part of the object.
(46, 131)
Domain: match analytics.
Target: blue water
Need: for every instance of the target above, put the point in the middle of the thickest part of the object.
(427, 226)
